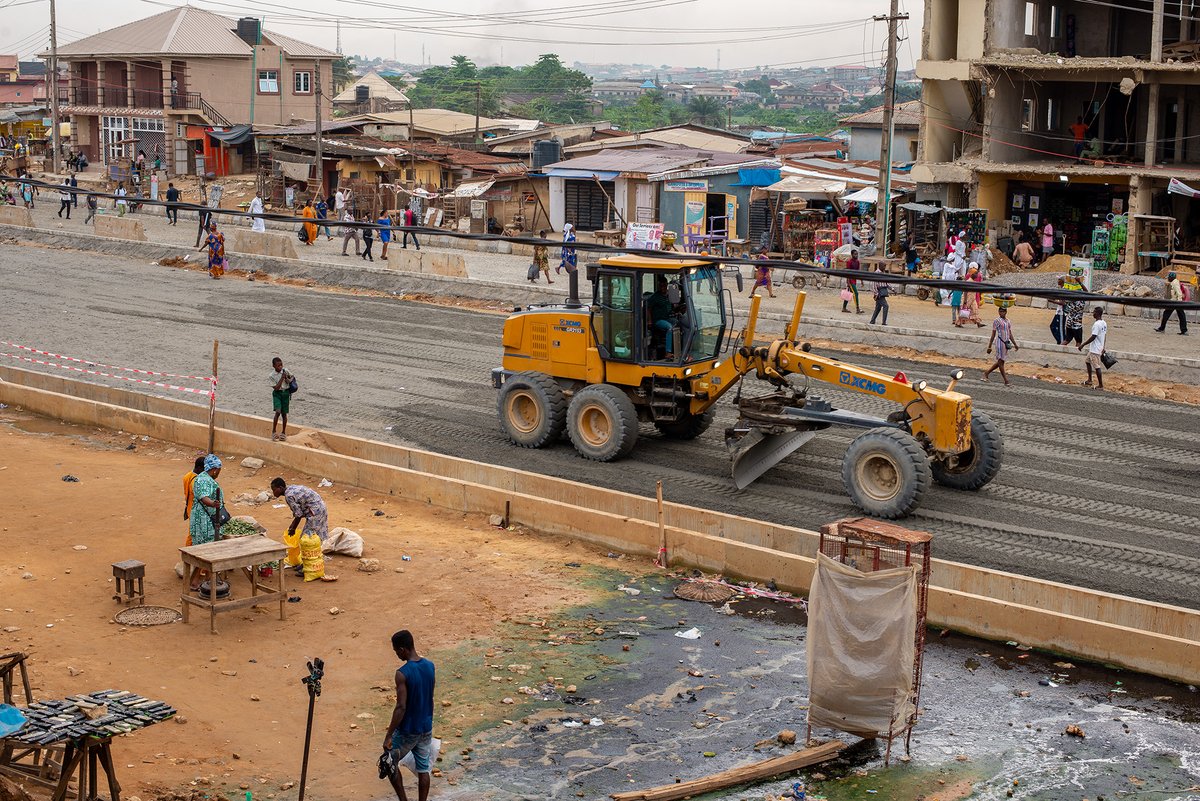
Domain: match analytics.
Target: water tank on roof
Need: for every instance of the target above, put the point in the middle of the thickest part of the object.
(362, 93)
(249, 30)
(546, 151)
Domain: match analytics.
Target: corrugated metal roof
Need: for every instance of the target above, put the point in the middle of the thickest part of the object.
(181, 31)
(717, 166)
(635, 161)
(908, 115)
(378, 86)
(436, 120)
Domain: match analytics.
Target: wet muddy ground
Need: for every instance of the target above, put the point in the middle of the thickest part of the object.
(992, 727)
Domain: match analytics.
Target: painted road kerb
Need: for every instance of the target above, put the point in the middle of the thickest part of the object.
(1149, 637)
(947, 343)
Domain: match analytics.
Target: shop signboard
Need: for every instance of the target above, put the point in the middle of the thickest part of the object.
(694, 213)
(644, 236)
(687, 185)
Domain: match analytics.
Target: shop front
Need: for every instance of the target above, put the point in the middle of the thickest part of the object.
(1075, 207)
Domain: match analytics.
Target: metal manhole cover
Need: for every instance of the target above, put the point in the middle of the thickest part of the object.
(147, 616)
(706, 591)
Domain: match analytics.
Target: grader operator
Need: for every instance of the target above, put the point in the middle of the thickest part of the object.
(656, 346)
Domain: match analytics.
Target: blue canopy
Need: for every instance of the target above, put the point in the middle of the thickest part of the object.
(757, 176)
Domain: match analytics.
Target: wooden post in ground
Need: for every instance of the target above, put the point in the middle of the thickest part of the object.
(662, 528)
(212, 402)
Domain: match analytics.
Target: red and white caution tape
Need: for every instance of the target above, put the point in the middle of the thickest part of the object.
(207, 378)
(209, 393)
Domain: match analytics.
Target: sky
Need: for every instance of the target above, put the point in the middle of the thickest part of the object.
(705, 33)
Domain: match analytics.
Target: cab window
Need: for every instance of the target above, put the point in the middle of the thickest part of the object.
(706, 307)
(613, 319)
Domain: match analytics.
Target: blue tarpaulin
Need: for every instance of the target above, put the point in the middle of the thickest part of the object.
(757, 176)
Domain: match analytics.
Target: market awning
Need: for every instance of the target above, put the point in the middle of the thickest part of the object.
(8, 117)
(816, 188)
(472, 188)
(920, 208)
(868, 194)
(234, 135)
(757, 176)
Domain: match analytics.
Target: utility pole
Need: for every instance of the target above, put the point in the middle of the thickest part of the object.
(412, 154)
(883, 205)
(52, 89)
(478, 105)
(317, 95)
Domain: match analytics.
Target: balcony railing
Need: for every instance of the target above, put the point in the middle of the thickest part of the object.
(118, 97)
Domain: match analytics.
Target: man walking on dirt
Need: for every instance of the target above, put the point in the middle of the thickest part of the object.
(411, 727)
(1095, 346)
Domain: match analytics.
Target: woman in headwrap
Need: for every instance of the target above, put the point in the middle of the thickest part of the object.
(206, 506)
(970, 300)
(569, 259)
(215, 242)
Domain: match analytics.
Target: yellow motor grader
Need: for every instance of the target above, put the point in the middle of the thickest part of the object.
(656, 346)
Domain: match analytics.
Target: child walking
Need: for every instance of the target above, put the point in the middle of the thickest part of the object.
(1002, 338)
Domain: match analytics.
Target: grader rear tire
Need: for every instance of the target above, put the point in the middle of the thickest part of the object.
(886, 473)
(690, 427)
(978, 466)
(602, 423)
(533, 410)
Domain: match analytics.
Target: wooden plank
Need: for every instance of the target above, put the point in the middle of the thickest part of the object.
(236, 548)
(759, 771)
(236, 603)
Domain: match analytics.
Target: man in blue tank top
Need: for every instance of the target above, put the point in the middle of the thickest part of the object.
(411, 727)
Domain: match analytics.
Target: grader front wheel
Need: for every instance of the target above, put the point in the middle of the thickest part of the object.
(602, 423)
(886, 473)
(533, 410)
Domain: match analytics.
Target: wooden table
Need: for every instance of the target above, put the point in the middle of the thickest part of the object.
(245, 553)
(604, 236)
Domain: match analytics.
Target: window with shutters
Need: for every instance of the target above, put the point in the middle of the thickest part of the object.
(760, 222)
(586, 204)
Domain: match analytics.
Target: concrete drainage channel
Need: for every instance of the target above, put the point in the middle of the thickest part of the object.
(1159, 639)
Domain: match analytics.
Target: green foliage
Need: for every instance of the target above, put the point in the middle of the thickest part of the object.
(560, 94)
(760, 86)
(651, 110)
(707, 111)
(343, 74)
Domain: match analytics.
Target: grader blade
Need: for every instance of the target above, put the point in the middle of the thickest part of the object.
(755, 450)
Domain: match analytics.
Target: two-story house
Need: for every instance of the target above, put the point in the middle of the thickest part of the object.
(159, 83)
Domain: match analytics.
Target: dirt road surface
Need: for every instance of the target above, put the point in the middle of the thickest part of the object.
(1097, 489)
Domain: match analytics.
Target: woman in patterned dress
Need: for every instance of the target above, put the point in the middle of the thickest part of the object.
(1002, 338)
(206, 505)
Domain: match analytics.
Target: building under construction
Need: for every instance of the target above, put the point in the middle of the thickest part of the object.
(1004, 81)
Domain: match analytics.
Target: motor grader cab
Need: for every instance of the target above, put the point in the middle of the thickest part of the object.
(656, 345)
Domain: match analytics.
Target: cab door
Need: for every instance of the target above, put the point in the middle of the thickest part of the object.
(614, 317)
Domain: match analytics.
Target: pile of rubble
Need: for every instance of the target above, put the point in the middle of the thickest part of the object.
(1129, 288)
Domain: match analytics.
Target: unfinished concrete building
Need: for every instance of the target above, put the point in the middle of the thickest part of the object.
(1003, 83)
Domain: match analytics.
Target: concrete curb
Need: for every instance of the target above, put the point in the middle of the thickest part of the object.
(948, 343)
(350, 276)
(1141, 635)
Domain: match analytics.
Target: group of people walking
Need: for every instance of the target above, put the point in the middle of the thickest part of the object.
(361, 230)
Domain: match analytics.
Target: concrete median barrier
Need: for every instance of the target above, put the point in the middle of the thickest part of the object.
(16, 215)
(1141, 635)
(254, 243)
(120, 228)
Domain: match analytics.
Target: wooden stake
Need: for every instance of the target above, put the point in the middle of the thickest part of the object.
(212, 403)
(662, 529)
